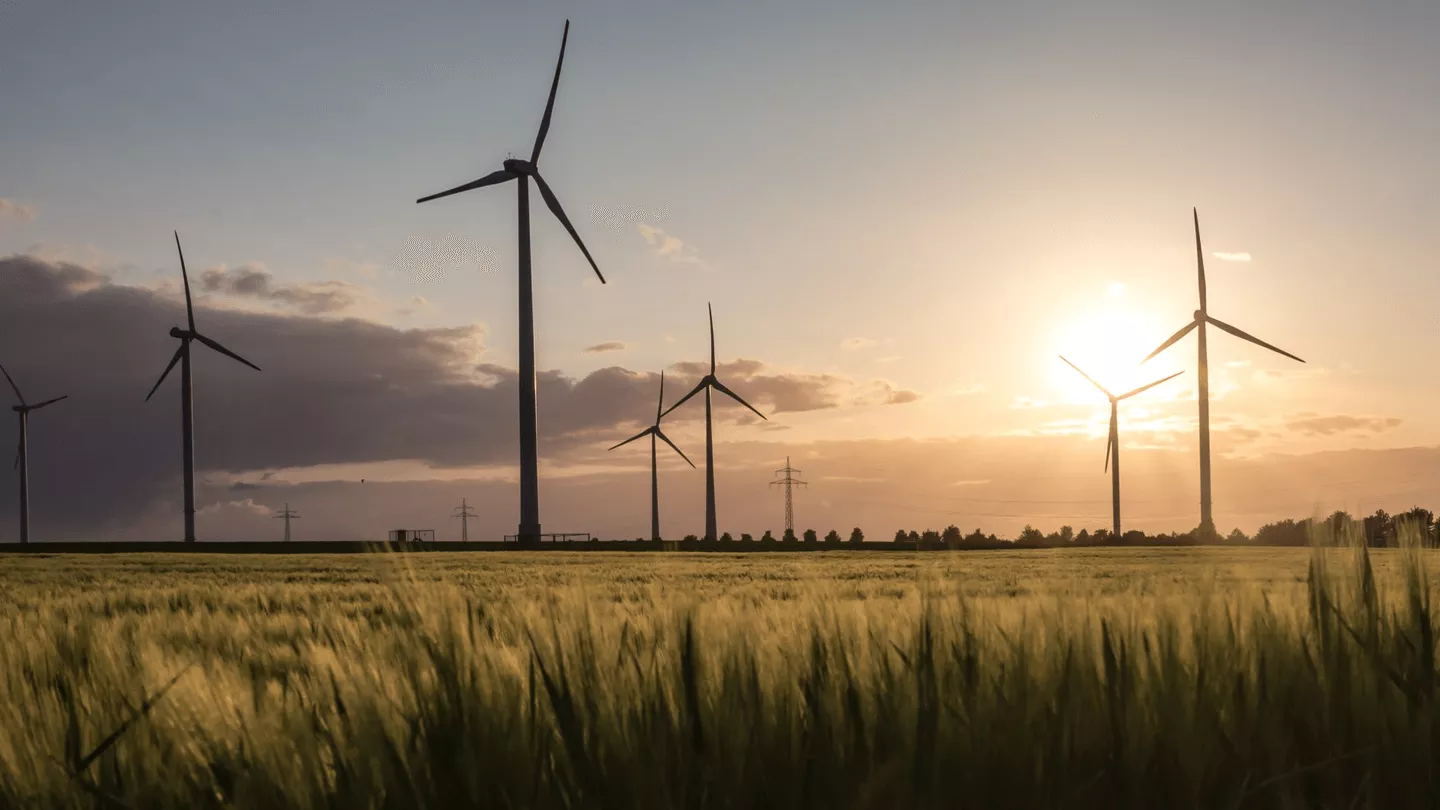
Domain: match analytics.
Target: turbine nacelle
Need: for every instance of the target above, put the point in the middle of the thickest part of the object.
(521, 167)
(177, 332)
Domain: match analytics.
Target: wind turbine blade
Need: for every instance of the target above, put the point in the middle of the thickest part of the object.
(48, 402)
(217, 347)
(645, 432)
(550, 104)
(660, 403)
(1199, 258)
(488, 180)
(564, 220)
(166, 372)
(18, 395)
(1103, 389)
(666, 439)
(1112, 444)
(1151, 385)
(697, 389)
(1246, 336)
(185, 276)
(711, 310)
(1167, 344)
(727, 392)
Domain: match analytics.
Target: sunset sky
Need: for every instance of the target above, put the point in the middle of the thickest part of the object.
(901, 213)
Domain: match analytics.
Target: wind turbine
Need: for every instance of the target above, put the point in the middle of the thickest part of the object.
(1200, 319)
(22, 453)
(187, 415)
(706, 383)
(522, 171)
(654, 432)
(1112, 446)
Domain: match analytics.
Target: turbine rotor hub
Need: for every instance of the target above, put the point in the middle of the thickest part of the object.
(1199, 315)
(522, 167)
(177, 332)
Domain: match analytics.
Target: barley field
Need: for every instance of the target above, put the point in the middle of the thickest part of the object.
(1176, 678)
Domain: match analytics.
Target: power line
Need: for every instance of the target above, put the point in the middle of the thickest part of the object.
(464, 512)
(789, 482)
(287, 514)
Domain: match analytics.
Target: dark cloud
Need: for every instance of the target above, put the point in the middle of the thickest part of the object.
(608, 346)
(254, 282)
(1313, 425)
(332, 391)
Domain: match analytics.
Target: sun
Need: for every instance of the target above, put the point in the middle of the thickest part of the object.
(1108, 342)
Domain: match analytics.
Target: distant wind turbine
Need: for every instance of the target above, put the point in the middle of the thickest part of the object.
(1112, 445)
(22, 453)
(1200, 319)
(706, 383)
(654, 432)
(521, 171)
(187, 399)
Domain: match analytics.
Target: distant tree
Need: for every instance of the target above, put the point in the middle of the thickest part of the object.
(1067, 535)
(951, 536)
(726, 538)
(790, 536)
(811, 538)
(768, 538)
(1030, 537)
(901, 536)
(1083, 538)
(1237, 537)
(690, 538)
(992, 539)
(1379, 529)
(1101, 537)
(930, 539)
(977, 539)
(913, 537)
(856, 536)
(746, 538)
(1420, 521)
(1134, 537)
(1284, 533)
(833, 538)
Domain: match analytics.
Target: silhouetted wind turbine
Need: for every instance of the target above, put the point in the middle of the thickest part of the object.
(706, 383)
(1112, 445)
(1201, 318)
(187, 415)
(654, 432)
(522, 171)
(22, 453)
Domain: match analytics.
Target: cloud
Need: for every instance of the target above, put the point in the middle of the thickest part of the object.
(667, 246)
(607, 346)
(901, 397)
(1313, 425)
(255, 282)
(10, 209)
(970, 482)
(1231, 257)
(246, 506)
(851, 344)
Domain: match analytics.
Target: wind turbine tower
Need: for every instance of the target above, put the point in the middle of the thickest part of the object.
(523, 172)
(22, 453)
(464, 511)
(1198, 322)
(789, 482)
(287, 514)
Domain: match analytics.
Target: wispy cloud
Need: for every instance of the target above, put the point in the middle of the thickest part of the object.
(607, 346)
(1313, 425)
(1231, 257)
(254, 281)
(851, 344)
(970, 482)
(1027, 403)
(9, 209)
(667, 246)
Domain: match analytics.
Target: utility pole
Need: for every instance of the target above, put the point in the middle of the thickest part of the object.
(789, 482)
(287, 514)
(464, 512)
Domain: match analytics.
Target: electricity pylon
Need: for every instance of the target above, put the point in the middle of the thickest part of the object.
(464, 512)
(789, 482)
(287, 514)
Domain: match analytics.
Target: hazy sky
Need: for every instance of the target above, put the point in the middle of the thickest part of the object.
(901, 213)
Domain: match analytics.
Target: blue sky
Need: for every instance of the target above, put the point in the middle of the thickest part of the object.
(955, 189)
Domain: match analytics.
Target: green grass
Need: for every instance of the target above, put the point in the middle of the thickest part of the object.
(1088, 678)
